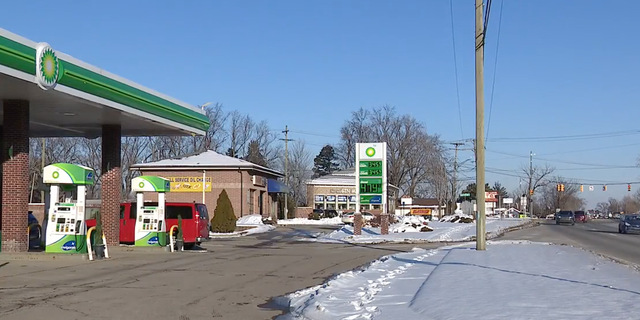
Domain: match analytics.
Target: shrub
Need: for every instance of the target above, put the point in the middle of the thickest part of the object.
(314, 216)
(224, 219)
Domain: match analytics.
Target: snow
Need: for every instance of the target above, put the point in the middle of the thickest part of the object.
(304, 221)
(510, 280)
(442, 232)
(456, 216)
(258, 229)
(250, 220)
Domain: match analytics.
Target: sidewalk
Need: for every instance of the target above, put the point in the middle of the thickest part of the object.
(511, 280)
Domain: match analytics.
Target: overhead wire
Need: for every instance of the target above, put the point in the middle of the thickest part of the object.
(495, 67)
(455, 66)
(589, 136)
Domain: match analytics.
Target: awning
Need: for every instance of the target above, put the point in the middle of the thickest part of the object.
(275, 186)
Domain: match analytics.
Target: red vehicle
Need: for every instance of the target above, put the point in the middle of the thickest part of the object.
(195, 221)
(581, 216)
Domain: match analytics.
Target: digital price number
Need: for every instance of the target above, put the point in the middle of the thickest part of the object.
(370, 186)
(371, 168)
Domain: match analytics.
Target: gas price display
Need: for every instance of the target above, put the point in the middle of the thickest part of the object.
(371, 168)
(370, 186)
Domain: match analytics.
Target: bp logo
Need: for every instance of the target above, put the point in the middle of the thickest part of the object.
(141, 184)
(90, 176)
(69, 245)
(152, 240)
(47, 66)
(370, 152)
(55, 174)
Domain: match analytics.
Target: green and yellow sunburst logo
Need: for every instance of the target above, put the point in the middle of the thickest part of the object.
(47, 66)
(55, 175)
(370, 152)
(141, 184)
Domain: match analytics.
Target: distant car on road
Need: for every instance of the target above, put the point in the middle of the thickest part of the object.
(629, 223)
(550, 216)
(567, 217)
(581, 216)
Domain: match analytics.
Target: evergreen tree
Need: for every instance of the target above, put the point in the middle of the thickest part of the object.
(224, 219)
(325, 162)
(254, 155)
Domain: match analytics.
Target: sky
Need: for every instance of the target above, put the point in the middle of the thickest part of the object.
(565, 69)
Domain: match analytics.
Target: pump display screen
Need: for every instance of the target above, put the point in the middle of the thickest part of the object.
(61, 220)
(146, 221)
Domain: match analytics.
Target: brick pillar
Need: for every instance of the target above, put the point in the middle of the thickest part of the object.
(15, 175)
(384, 223)
(357, 223)
(111, 183)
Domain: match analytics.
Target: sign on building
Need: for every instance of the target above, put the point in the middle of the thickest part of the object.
(189, 184)
(507, 200)
(371, 174)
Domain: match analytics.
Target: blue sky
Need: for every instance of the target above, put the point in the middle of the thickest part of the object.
(564, 68)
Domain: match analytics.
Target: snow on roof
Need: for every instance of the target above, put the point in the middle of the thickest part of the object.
(207, 159)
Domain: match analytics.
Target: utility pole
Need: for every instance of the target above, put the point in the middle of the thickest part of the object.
(529, 197)
(480, 181)
(286, 170)
(454, 188)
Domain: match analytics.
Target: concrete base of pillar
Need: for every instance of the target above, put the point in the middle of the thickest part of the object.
(357, 223)
(384, 223)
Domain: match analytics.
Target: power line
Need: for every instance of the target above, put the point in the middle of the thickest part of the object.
(495, 68)
(568, 137)
(455, 66)
(559, 161)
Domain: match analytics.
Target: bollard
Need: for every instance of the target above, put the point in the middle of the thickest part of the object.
(89, 248)
(357, 223)
(384, 223)
(171, 243)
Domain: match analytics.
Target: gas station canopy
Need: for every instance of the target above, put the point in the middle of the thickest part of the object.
(68, 97)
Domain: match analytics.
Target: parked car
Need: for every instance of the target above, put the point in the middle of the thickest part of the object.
(35, 233)
(567, 217)
(629, 223)
(581, 216)
(550, 216)
(347, 218)
(195, 221)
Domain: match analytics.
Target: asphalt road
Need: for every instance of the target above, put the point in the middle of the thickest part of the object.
(229, 281)
(600, 236)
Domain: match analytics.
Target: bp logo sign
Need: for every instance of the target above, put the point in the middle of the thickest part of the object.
(47, 66)
(141, 184)
(55, 174)
(90, 176)
(370, 152)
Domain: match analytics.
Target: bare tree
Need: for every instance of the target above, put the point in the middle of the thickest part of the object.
(299, 173)
(240, 134)
(216, 135)
(550, 198)
(134, 150)
(615, 205)
(268, 143)
(539, 177)
(630, 204)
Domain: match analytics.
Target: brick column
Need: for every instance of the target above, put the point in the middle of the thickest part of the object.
(384, 223)
(15, 175)
(111, 183)
(357, 223)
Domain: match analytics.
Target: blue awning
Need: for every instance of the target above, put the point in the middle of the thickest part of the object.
(275, 186)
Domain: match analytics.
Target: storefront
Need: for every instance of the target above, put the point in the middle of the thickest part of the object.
(338, 191)
(252, 189)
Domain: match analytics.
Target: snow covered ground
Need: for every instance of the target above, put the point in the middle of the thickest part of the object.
(442, 232)
(250, 220)
(254, 220)
(510, 280)
(304, 221)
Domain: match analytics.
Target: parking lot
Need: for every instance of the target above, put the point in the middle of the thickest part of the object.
(231, 280)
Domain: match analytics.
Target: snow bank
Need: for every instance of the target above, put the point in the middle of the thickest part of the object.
(258, 229)
(303, 221)
(442, 232)
(515, 280)
(458, 217)
(410, 224)
(250, 220)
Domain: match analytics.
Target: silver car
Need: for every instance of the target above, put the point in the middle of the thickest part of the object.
(629, 223)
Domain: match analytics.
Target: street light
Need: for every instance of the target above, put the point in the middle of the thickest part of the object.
(204, 105)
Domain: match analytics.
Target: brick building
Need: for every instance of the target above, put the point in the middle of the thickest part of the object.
(338, 191)
(252, 189)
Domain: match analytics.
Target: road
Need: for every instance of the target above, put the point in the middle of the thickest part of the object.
(229, 281)
(600, 236)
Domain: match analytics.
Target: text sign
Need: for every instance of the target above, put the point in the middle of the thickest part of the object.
(371, 168)
(371, 186)
(507, 200)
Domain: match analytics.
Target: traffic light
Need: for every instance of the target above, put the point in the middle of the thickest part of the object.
(604, 188)
(629, 187)
(581, 188)
(558, 187)
(562, 187)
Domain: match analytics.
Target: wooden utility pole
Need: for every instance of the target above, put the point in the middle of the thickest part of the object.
(480, 165)
(454, 187)
(530, 191)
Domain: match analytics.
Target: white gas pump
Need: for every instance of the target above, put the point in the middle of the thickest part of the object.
(66, 229)
(151, 229)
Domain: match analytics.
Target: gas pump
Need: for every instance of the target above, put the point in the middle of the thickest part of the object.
(65, 229)
(151, 229)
